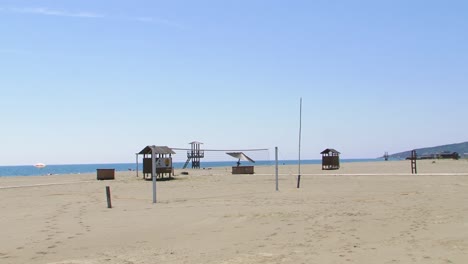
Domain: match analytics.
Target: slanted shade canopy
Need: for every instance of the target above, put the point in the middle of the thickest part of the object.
(241, 169)
(240, 156)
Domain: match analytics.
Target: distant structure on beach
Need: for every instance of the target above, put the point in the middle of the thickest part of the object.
(241, 169)
(163, 157)
(386, 156)
(194, 155)
(330, 159)
(413, 158)
(442, 155)
(436, 152)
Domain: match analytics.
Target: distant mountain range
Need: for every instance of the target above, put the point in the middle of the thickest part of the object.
(460, 148)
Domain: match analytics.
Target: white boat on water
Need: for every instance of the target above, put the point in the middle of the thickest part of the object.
(39, 165)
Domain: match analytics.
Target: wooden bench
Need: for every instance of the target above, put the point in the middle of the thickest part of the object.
(243, 170)
(105, 174)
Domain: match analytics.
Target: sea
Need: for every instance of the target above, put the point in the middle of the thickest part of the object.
(30, 170)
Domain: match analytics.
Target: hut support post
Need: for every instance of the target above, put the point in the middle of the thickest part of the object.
(153, 172)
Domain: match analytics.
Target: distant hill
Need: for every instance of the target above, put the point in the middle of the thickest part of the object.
(461, 148)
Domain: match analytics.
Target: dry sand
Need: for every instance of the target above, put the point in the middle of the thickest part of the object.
(363, 213)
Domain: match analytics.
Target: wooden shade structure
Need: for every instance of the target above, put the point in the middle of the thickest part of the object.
(241, 169)
(163, 157)
(330, 159)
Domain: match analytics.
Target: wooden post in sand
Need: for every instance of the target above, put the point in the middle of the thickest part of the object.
(109, 204)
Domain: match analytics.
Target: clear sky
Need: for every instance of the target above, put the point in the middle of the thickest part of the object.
(95, 81)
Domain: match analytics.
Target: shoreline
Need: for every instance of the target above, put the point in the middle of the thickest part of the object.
(428, 166)
(29, 170)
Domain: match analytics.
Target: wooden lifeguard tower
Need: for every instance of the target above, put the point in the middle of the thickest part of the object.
(163, 157)
(330, 159)
(194, 155)
(386, 156)
(413, 158)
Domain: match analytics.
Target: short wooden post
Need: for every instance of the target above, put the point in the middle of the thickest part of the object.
(109, 204)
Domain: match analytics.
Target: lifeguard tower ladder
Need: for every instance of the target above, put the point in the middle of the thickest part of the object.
(194, 155)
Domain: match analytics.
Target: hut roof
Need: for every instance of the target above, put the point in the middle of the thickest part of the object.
(195, 142)
(328, 150)
(158, 150)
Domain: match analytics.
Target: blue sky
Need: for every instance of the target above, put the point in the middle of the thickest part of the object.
(96, 81)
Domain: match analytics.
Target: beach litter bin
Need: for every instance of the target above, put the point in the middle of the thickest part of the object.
(105, 174)
(243, 170)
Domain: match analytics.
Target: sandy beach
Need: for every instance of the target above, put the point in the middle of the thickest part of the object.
(372, 212)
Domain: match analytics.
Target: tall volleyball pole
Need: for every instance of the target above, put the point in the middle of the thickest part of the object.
(276, 167)
(300, 134)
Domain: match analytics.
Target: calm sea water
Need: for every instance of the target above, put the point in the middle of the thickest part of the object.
(90, 168)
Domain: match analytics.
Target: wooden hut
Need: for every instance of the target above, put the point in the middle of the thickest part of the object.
(330, 159)
(163, 161)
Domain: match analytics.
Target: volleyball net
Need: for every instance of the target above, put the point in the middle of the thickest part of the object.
(220, 157)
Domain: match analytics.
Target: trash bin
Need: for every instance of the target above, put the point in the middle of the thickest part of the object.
(105, 174)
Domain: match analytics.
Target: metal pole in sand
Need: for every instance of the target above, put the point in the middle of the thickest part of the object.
(136, 157)
(276, 168)
(153, 171)
(300, 133)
